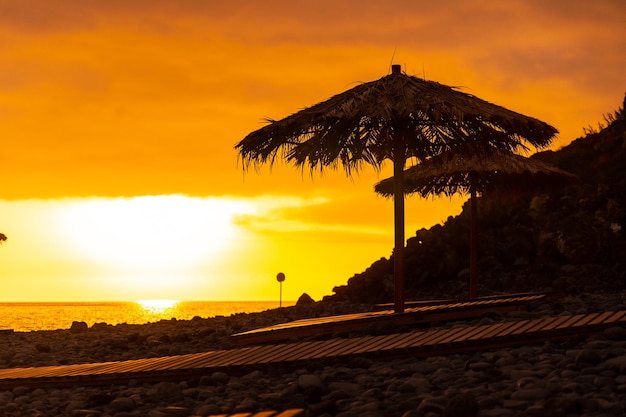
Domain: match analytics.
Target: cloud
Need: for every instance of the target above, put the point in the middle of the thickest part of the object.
(134, 98)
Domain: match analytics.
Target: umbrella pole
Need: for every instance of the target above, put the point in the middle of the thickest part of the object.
(473, 292)
(398, 205)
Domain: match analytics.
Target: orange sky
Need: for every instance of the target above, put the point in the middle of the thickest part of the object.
(146, 98)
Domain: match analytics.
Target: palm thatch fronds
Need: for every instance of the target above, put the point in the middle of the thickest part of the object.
(458, 169)
(359, 125)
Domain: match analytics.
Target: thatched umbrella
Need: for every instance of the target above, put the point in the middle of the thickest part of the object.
(473, 168)
(397, 117)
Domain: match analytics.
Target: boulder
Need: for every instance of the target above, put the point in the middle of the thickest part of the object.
(79, 327)
(305, 300)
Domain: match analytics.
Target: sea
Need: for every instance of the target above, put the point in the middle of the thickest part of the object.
(34, 316)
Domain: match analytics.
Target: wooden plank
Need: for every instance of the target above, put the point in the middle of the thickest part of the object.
(422, 343)
(523, 328)
(495, 329)
(585, 320)
(260, 355)
(291, 413)
(456, 335)
(479, 333)
(619, 316)
(570, 322)
(277, 355)
(376, 344)
(440, 335)
(538, 325)
(529, 295)
(188, 362)
(602, 317)
(304, 349)
(409, 339)
(430, 335)
(352, 344)
(553, 322)
(327, 348)
(359, 321)
(385, 343)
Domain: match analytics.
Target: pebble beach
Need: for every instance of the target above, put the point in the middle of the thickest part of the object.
(571, 378)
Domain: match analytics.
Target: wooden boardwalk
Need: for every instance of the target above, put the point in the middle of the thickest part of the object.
(423, 313)
(287, 413)
(287, 356)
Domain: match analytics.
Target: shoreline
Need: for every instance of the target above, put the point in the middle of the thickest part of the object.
(582, 377)
(35, 316)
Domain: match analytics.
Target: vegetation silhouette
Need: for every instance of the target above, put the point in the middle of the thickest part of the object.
(570, 240)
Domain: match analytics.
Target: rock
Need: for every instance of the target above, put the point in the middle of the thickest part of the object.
(246, 405)
(618, 364)
(43, 348)
(539, 411)
(590, 356)
(442, 377)
(480, 366)
(431, 405)
(423, 367)
(87, 412)
(347, 387)
(530, 394)
(220, 377)
(121, 404)
(98, 327)
(78, 327)
(207, 410)
(174, 411)
(462, 405)
(308, 381)
(615, 333)
(20, 390)
(167, 391)
(414, 384)
(96, 400)
(305, 300)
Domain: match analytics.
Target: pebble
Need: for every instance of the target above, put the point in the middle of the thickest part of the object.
(569, 378)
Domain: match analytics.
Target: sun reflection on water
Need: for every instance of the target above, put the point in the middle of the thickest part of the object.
(157, 307)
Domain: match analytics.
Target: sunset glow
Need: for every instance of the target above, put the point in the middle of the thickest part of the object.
(159, 232)
(118, 121)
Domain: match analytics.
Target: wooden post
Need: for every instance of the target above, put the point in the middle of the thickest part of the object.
(473, 287)
(398, 217)
(399, 159)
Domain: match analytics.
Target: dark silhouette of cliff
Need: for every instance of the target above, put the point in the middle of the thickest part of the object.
(569, 240)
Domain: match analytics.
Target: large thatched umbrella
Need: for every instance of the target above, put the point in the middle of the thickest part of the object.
(397, 117)
(473, 168)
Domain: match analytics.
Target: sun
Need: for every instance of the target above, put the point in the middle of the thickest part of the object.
(151, 232)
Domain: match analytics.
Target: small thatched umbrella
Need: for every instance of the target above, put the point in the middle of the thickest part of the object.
(473, 168)
(3, 237)
(397, 117)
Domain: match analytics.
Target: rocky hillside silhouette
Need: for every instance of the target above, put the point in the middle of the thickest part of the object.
(569, 240)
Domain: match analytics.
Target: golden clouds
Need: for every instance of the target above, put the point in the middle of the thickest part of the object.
(148, 97)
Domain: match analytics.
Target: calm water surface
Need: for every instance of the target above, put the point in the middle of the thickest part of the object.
(24, 317)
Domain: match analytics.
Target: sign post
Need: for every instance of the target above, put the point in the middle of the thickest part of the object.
(280, 277)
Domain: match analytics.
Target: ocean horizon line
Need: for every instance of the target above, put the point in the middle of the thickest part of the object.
(139, 301)
(52, 315)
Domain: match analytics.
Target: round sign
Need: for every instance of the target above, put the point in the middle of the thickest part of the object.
(280, 277)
